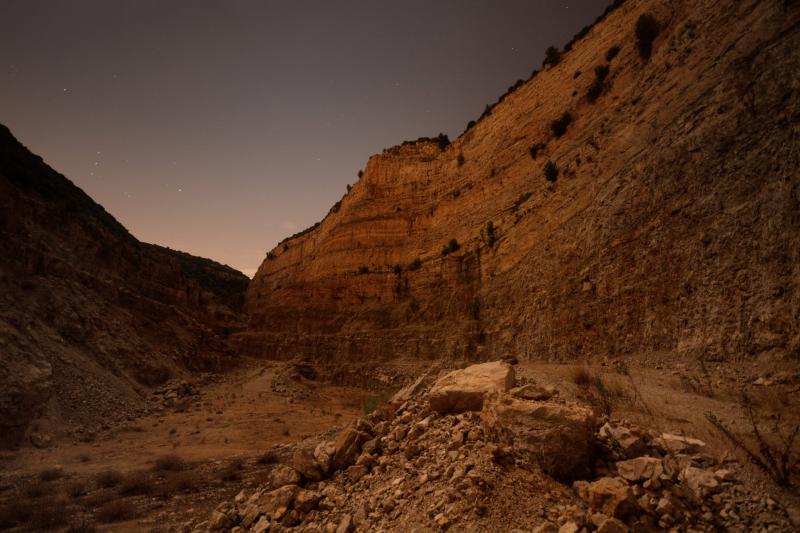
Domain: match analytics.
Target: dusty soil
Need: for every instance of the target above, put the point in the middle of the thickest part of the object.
(221, 432)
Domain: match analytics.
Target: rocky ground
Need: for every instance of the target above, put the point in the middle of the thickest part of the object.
(474, 452)
(274, 447)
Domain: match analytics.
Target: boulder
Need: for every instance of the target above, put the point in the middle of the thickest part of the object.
(465, 390)
(557, 437)
(306, 500)
(414, 388)
(279, 500)
(323, 454)
(282, 475)
(700, 482)
(630, 442)
(347, 447)
(640, 469)
(678, 444)
(304, 462)
(612, 525)
(609, 495)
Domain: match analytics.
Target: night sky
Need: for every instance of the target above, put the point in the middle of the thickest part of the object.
(219, 127)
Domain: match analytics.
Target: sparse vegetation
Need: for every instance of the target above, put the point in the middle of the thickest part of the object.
(269, 457)
(398, 269)
(521, 200)
(551, 171)
(169, 463)
(415, 264)
(363, 270)
(51, 474)
(560, 125)
(179, 482)
(108, 479)
(271, 256)
(461, 160)
(534, 150)
(136, 484)
(349, 187)
(232, 471)
(75, 489)
(360, 174)
(647, 29)
(450, 248)
(442, 140)
(598, 85)
(372, 402)
(612, 53)
(552, 56)
(116, 511)
(774, 450)
(488, 234)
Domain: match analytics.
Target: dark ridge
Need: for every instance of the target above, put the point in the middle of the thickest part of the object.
(31, 174)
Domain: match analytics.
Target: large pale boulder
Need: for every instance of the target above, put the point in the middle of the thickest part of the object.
(557, 436)
(466, 389)
(304, 462)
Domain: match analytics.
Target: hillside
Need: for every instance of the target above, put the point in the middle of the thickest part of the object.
(89, 316)
(672, 229)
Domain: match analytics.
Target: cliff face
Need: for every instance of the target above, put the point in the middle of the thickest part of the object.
(673, 227)
(90, 316)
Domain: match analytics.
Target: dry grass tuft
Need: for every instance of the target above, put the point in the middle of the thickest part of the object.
(51, 474)
(233, 471)
(116, 511)
(108, 479)
(136, 484)
(169, 463)
(76, 489)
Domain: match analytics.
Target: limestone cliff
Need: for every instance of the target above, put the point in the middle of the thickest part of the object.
(672, 228)
(90, 316)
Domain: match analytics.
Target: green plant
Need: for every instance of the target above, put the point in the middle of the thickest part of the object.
(597, 86)
(551, 56)
(647, 29)
(415, 264)
(271, 256)
(560, 125)
(450, 248)
(349, 187)
(551, 171)
(360, 174)
(612, 53)
(372, 402)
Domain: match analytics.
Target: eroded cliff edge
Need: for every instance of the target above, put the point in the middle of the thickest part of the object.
(673, 226)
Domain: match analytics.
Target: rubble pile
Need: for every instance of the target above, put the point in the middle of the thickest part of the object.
(470, 452)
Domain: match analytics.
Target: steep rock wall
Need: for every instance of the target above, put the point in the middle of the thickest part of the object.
(673, 226)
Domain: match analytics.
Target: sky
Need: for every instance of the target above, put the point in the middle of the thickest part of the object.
(219, 127)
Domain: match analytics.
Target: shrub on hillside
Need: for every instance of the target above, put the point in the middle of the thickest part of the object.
(451, 247)
(415, 264)
(551, 171)
(560, 125)
(363, 270)
(612, 53)
(534, 150)
(647, 29)
(597, 86)
(551, 56)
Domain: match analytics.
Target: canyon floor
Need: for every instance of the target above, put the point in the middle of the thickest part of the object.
(207, 440)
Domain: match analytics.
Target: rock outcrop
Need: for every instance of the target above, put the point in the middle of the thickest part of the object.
(673, 225)
(467, 389)
(89, 316)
